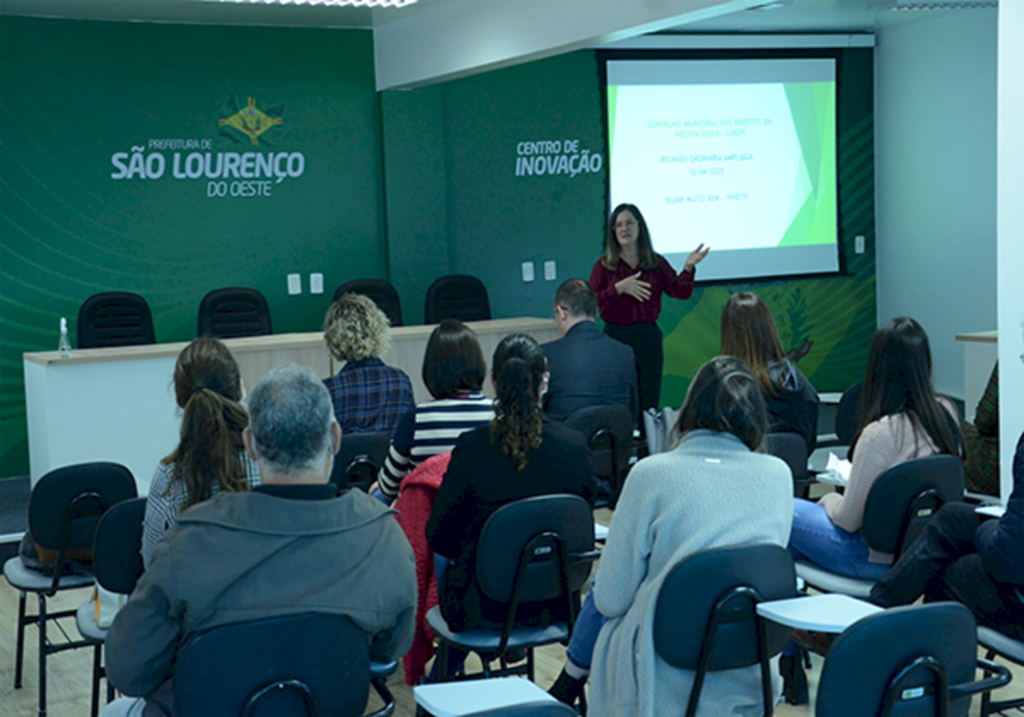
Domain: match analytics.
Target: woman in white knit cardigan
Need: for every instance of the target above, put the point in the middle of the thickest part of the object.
(714, 489)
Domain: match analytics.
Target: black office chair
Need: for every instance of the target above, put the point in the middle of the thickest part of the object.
(906, 661)
(306, 664)
(117, 563)
(360, 459)
(791, 448)
(536, 549)
(381, 292)
(848, 414)
(996, 643)
(901, 502)
(705, 618)
(114, 318)
(233, 313)
(457, 296)
(64, 509)
(609, 433)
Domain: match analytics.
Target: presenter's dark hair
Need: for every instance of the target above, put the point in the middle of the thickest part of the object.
(578, 298)
(612, 251)
(454, 362)
(518, 370)
(749, 333)
(208, 387)
(724, 397)
(899, 380)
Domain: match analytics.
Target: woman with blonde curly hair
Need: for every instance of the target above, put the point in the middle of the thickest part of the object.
(368, 396)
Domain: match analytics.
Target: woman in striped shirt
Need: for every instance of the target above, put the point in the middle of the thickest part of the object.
(453, 371)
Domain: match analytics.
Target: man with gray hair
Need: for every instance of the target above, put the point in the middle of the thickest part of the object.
(587, 367)
(290, 546)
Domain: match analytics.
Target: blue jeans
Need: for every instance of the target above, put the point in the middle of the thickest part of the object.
(584, 633)
(816, 538)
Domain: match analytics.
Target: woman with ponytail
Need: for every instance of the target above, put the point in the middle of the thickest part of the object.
(211, 455)
(516, 456)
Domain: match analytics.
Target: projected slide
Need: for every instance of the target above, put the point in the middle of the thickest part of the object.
(737, 154)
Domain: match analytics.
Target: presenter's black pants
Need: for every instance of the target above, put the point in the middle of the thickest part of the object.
(943, 564)
(648, 356)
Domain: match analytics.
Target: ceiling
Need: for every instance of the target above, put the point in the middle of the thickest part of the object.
(792, 15)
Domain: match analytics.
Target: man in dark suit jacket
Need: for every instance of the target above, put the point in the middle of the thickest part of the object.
(588, 368)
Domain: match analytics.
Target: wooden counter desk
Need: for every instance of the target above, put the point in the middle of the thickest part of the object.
(118, 404)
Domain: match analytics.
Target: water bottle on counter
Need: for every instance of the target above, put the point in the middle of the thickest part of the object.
(64, 347)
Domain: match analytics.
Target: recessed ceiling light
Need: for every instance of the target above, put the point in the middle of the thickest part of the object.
(325, 3)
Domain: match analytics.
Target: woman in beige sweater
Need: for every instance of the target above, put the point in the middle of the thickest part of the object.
(901, 418)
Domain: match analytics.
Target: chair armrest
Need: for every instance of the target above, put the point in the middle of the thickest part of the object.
(1001, 679)
(587, 557)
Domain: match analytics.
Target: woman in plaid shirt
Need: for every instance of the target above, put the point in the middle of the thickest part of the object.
(368, 396)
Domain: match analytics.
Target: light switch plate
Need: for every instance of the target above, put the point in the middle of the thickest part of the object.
(316, 283)
(549, 271)
(294, 284)
(858, 244)
(527, 271)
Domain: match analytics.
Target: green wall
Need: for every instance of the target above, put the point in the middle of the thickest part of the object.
(74, 94)
(402, 185)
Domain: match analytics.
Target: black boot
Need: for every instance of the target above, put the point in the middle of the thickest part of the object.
(566, 689)
(794, 679)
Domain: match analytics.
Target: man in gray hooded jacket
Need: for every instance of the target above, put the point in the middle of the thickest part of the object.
(290, 546)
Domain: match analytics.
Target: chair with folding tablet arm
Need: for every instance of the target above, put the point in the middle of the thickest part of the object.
(305, 664)
(900, 503)
(117, 561)
(906, 661)
(705, 617)
(536, 549)
(64, 509)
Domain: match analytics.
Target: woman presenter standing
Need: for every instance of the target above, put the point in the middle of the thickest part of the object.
(629, 280)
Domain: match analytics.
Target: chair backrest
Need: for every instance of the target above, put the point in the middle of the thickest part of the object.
(863, 662)
(904, 498)
(381, 292)
(791, 448)
(696, 584)
(848, 414)
(67, 503)
(114, 318)
(457, 296)
(221, 670)
(117, 557)
(503, 553)
(609, 432)
(234, 312)
(705, 617)
(359, 453)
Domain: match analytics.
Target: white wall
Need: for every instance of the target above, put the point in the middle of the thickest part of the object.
(935, 154)
(1011, 233)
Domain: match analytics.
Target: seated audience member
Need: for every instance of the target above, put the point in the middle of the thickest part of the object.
(981, 441)
(453, 372)
(211, 456)
(289, 546)
(716, 488)
(749, 334)
(901, 418)
(415, 501)
(963, 557)
(516, 456)
(587, 367)
(368, 396)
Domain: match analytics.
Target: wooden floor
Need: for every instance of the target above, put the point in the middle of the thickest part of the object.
(70, 672)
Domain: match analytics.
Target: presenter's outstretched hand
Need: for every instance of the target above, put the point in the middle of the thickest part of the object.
(632, 285)
(696, 257)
